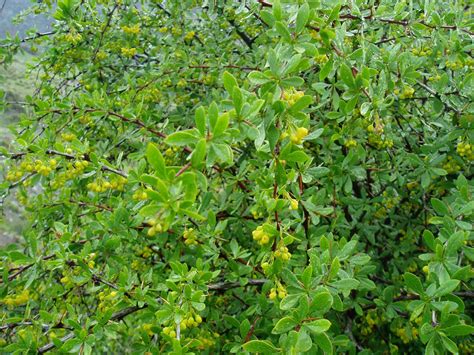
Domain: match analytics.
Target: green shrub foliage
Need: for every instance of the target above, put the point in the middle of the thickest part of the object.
(243, 177)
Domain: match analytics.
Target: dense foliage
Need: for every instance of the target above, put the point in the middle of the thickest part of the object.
(253, 176)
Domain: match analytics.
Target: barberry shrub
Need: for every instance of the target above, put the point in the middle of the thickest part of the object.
(243, 177)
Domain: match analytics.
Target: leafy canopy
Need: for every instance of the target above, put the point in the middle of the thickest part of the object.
(232, 177)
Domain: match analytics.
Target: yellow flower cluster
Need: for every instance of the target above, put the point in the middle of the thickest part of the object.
(85, 119)
(152, 95)
(176, 31)
(169, 331)
(73, 37)
(133, 30)
(155, 227)
(407, 335)
(137, 265)
(101, 55)
(17, 300)
(140, 194)
(73, 170)
(190, 35)
(186, 323)
(350, 143)
(454, 65)
(412, 267)
(256, 213)
(38, 166)
(106, 299)
(145, 252)
(14, 175)
(260, 236)
(68, 137)
(147, 328)
(422, 52)
(291, 96)
(298, 135)
(465, 150)
(279, 291)
(315, 35)
(407, 92)
(436, 77)
(379, 142)
(265, 265)
(207, 340)
(371, 320)
(66, 280)
(116, 183)
(190, 237)
(412, 185)
(128, 52)
(321, 58)
(293, 204)
(390, 201)
(282, 253)
(451, 166)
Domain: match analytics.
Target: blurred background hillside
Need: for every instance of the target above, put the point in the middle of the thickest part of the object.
(9, 9)
(16, 87)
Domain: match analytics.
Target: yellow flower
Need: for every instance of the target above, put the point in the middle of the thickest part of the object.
(189, 36)
(293, 204)
(298, 136)
(135, 29)
(129, 52)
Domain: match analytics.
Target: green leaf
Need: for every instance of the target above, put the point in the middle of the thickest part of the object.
(322, 302)
(229, 82)
(449, 344)
(446, 287)
(323, 341)
(459, 330)
(260, 346)
(318, 326)
(289, 301)
(302, 103)
(346, 75)
(213, 114)
(346, 284)
(413, 283)
(200, 119)
(258, 78)
(277, 13)
(439, 206)
(156, 160)
(335, 266)
(326, 69)
(334, 14)
(193, 214)
(304, 342)
(283, 325)
(17, 256)
(283, 31)
(221, 125)
(182, 138)
(298, 156)
(302, 17)
(429, 239)
(238, 100)
(199, 153)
